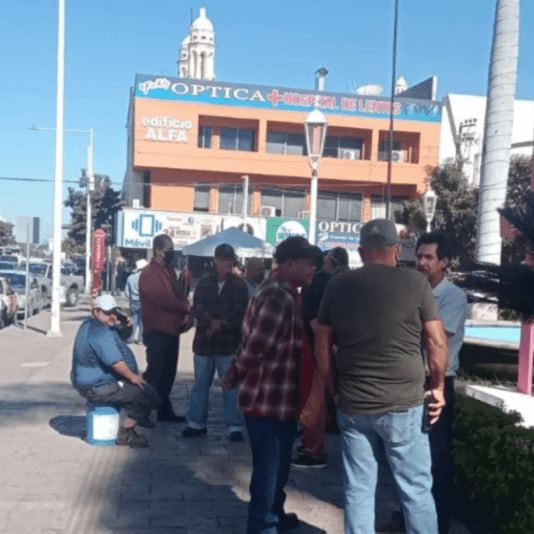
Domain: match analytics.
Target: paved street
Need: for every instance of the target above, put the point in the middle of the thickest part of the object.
(53, 482)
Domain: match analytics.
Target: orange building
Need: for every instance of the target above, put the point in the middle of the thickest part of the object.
(191, 142)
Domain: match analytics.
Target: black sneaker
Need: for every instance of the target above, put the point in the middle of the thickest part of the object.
(193, 432)
(146, 422)
(129, 437)
(307, 462)
(288, 521)
(171, 418)
(236, 436)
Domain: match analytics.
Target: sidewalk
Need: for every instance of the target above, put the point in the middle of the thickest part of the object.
(53, 482)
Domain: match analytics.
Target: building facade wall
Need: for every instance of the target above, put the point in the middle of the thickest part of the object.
(463, 119)
(166, 143)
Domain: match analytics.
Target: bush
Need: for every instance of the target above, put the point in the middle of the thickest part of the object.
(495, 468)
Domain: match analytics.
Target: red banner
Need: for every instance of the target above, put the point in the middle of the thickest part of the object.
(99, 256)
(99, 250)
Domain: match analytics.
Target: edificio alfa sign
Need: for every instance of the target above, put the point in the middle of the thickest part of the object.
(168, 129)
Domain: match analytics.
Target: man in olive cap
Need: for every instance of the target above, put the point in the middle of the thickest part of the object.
(382, 318)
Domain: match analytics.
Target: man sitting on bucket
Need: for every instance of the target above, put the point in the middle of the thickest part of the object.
(104, 369)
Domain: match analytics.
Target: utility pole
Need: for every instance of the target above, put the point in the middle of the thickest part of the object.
(497, 130)
(90, 186)
(245, 201)
(55, 329)
(392, 103)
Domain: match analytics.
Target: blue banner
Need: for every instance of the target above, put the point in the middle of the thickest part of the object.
(267, 97)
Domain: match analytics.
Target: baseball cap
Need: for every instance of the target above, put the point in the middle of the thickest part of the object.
(379, 233)
(225, 252)
(140, 264)
(106, 303)
(295, 248)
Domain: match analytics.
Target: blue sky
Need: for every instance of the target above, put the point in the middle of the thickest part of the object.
(274, 42)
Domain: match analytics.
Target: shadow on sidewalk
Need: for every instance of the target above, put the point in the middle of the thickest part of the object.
(69, 425)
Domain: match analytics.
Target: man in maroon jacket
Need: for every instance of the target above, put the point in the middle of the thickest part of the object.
(166, 313)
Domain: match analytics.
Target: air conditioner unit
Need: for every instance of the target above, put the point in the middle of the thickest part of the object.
(136, 203)
(304, 214)
(267, 211)
(397, 156)
(349, 154)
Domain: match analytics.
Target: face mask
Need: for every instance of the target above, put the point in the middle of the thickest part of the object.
(168, 258)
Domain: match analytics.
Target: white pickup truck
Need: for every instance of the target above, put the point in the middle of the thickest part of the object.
(70, 285)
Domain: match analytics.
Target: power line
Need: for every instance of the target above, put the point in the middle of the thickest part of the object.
(12, 179)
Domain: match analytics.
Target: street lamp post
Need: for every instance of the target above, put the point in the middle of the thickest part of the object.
(315, 126)
(90, 184)
(429, 206)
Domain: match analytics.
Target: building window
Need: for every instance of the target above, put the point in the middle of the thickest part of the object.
(378, 205)
(286, 143)
(204, 137)
(343, 147)
(202, 197)
(235, 139)
(383, 151)
(339, 206)
(286, 202)
(231, 199)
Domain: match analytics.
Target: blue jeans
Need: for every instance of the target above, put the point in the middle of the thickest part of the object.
(198, 412)
(408, 454)
(271, 442)
(137, 332)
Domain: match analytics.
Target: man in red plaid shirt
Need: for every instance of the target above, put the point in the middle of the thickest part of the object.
(268, 368)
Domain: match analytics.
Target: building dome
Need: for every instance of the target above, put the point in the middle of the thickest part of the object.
(185, 42)
(202, 22)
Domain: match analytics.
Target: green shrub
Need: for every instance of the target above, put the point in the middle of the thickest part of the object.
(495, 467)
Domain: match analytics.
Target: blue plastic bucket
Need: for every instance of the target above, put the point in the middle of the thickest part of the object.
(102, 424)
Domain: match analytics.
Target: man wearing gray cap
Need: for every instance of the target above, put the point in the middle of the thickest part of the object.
(382, 318)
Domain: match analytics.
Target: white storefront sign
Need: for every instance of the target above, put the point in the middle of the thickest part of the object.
(137, 228)
(167, 129)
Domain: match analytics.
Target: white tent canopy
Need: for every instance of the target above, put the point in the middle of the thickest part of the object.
(244, 244)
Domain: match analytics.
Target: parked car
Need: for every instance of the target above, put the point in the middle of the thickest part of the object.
(71, 285)
(7, 266)
(43, 273)
(11, 258)
(9, 303)
(17, 280)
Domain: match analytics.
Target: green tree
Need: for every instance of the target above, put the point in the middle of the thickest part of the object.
(6, 234)
(105, 203)
(455, 211)
(519, 179)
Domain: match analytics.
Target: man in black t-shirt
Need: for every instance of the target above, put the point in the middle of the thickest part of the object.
(382, 318)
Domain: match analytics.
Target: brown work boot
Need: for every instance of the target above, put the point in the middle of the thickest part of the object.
(129, 437)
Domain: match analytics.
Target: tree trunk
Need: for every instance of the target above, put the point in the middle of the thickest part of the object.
(497, 130)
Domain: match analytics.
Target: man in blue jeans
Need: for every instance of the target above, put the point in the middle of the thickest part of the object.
(268, 367)
(382, 318)
(219, 305)
(131, 292)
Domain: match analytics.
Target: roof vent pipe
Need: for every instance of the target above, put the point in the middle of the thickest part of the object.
(320, 76)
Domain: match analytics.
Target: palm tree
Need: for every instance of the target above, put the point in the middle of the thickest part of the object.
(497, 130)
